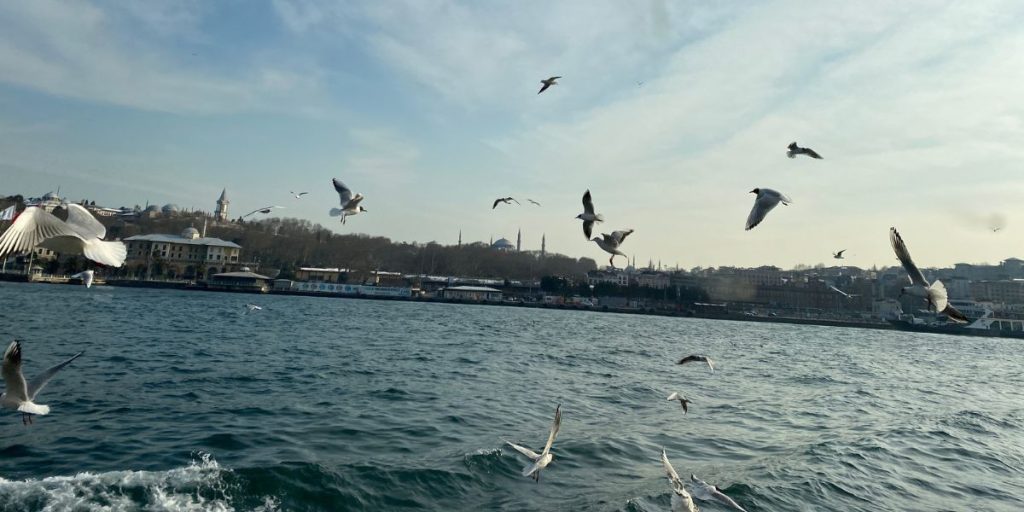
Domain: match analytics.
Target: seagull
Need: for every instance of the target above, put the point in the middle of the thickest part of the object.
(795, 150)
(264, 210)
(934, 293)
(640, 83)
(699, 359)
(844, 294)
(81, 233)
(505, 200)
(681, 500)
(610, 244)
(532, 201)
(17, 394)
(588, 216)
(682, 400)
(548, 83)
(765, 201)
(86, 277)
(707, 492)
(253, 307)
(349, 202)
(298, 195)
(838, 255)
(540, 461)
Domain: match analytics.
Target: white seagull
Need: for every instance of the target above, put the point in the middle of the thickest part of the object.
(838, 255)
(844, 294)
(264, 210)
(253, 307)
(349, 201)
(532, 201)
(503, 200)
(541, 460)
(764, 202)
(81, 233)
(298, 195)
(681, 500)
(588, 216)
(86, 276)
(707, 492)
(548, 83)
(682, 400)
(610, 244)
(934, 293)
(795, 150)
(18, 394)
(699, 359)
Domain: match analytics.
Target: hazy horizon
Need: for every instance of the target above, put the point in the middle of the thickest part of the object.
(430, 109)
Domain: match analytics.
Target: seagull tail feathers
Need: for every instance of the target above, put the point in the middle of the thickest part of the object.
(31, 408)
(599, 217)
(531, 469)
(938, 296)
(111, 254)
(335, 212)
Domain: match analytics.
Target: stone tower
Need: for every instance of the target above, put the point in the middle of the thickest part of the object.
(543, 245)
(519, 240)
(221, 214)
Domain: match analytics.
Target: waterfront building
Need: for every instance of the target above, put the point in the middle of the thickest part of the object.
(616, 277)
(243, 281)
(474, 293)
(186, 256)
(322, 275)
(48, 202)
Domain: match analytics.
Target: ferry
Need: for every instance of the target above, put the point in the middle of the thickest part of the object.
(986, 323)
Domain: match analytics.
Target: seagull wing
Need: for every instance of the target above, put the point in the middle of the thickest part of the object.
(840, 253)
(762, 205)
(532, 455)
(812, 153)
(31, 228)
(916, 277)
(534, 202)
(344, 193)
(620, 236)
(14, 381)
(495, 205)
(83, 223)
(955, 314)
(555, 425)
(679, 491)
(40, 381)
(588, 205)
(358, 198)
(588, 228)
(544, 87)
(722, 498)
(514, 199)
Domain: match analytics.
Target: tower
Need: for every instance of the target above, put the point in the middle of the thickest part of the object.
(222, 206)
(519, 240)
(460, 238)
(543, 245)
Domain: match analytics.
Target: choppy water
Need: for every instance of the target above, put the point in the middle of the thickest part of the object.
(183, 402)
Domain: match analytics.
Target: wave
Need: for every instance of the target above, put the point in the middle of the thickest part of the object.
(203, 485)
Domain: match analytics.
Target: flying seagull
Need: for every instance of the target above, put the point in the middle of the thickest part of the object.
(764, 202)
(298, 195)
(503, 200)
(349, 202)
(540, 461)
(252, 307)
(532, 201)
(264, 210)
(844, 294)
(86, 276)
(610, 244)
(682, 400)
(18, 394)
(681, 500)
(548, 83)
(795, 150)
(934, 293)
(699, 359)
(588, 216)
(838, 255)
(707, 492)
(81, 233)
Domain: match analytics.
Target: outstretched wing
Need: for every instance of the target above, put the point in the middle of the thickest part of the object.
(588, 228)
(530, 454)
(355, 201)
(14, 381)
(40, 381)
(762, 205)
(840, 253)
(32, 228)
(496, 201)
(83, 223)
(620, 236)
(916, 277)
(344, 193)
(954, 314)
(812, 153)
(555, 425)
(588, 205)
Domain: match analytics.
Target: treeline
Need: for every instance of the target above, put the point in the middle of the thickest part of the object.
(287, 243)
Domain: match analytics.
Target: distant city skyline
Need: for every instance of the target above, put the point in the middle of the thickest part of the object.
(430, 110)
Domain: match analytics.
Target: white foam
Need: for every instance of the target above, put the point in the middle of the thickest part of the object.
(197, 487)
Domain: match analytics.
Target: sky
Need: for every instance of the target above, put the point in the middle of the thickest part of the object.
(669, 112)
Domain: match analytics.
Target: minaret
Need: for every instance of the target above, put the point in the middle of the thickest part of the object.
(519, 240)
(204, 227)
(492, 240)
(460, 238)
(543, 245)
(222, 206)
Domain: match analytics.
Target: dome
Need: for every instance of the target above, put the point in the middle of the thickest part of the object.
(190, 233)
(169, 209)
(502, 244)
(50, 195)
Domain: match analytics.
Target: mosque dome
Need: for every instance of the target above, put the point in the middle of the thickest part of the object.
(502, 244)
(190, 233)
(169, 209)
(50, 195)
